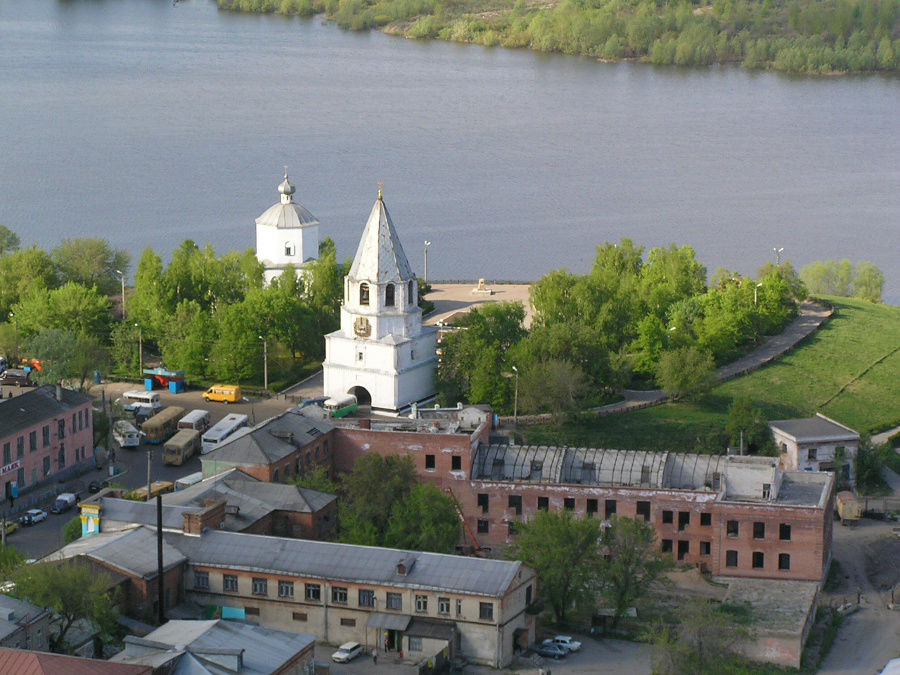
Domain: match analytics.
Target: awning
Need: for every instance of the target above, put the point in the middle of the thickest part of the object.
(432, 628)
(388, 621)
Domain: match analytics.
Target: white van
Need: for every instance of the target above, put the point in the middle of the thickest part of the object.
(196, 419)
(135, 397)
(187, 481)
(126, 435)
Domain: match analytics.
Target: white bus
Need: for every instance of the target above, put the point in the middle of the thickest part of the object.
(126, 435)
(139, 396)
(187, 481)
(196, 419)
(221, 431)
(341, 407)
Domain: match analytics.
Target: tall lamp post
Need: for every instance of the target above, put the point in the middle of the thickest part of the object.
(140, 351)
(755, 291)
(122, 277)
(427, 244)
(16, 321)
(265, 363)
(778, 252)
(516, 398)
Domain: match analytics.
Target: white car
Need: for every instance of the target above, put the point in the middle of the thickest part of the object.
(347, 652)
(33, 516)
(568, 643)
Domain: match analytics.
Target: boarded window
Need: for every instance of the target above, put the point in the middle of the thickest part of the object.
(348, 622)
(483, 526)
(364, 294)
(299, 616)
(250, 611)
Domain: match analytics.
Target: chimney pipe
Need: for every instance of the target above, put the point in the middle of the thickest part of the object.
(59, 392)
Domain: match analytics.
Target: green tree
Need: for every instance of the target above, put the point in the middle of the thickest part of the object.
(123, 349)
(71, 307)
(869, 465)
(22, 272)
(66, 356)
(685, 372)
(426, 520)
(11, 559)
(868, 281)
(90, 261)
(372, 490)
(72, 530)
(564, 551)
(147, 306)
(187, 339)
(317, 478)
(237, 338)
(747, 424)
(632, 564)
(554, 386)
(73, 590)
(828, 278)
(9, 240)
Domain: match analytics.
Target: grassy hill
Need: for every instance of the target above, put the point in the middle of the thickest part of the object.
(848, 370)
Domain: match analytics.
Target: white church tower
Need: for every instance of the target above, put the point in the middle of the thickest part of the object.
(286, 233)
(381, 353)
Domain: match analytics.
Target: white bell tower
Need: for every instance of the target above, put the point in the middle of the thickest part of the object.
(381, 353)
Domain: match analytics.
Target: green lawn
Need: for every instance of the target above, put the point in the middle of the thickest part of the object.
(848, 370)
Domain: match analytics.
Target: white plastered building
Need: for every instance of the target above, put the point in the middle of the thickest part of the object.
(286, 234)
(381, 353)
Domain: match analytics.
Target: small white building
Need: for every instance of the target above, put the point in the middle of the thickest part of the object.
(382, 354)
(286, 234)
(816, 444)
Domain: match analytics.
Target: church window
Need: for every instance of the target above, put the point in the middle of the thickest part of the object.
(364, 294)
(409, 293)
(289, 248)
(389, 295)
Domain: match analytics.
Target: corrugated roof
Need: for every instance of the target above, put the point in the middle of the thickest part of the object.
(22, 662)
(380, 257)
(20, 609)
(36, 406)
(346, 562)
(270, 440)
(143, 513)
(818, 428)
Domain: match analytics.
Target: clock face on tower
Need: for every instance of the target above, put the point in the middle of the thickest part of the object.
(361, 327)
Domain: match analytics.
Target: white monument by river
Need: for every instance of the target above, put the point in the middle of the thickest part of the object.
(286, 233)
(381, 353)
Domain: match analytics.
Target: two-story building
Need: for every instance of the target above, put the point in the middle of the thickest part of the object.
(43, 433)
(817, 444)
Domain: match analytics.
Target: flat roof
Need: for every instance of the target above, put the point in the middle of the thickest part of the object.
(811, 429)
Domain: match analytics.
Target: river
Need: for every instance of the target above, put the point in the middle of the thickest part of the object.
(148, 123)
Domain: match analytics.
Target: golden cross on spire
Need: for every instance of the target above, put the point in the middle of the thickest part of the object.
(380, 189)
(285, 172)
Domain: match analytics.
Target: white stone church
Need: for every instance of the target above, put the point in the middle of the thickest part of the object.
(382, 353)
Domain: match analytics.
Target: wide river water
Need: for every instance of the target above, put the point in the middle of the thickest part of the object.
(148, 123)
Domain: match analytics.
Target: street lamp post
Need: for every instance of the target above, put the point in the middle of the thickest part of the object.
(427, 244)
(778, 252)
(16, 321)
(755, 291)
(265, 363)
(122, 277)
(516, 398)
(140, 351)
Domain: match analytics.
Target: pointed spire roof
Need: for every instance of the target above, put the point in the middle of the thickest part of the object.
(380, 257)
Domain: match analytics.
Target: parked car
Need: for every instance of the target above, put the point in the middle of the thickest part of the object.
(567, 643)
(551, 650)
(32, 516)
(64, 502)
(347, 652)
(96, 485)
(11, 526)
(17, 377)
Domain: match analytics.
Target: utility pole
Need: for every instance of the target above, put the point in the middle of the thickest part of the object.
(149, 459)
(122, 277)
(516, 399)
(265, 363)
(140, 351)
(427, 244)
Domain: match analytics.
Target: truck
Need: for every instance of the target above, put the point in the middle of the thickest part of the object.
(64, 502)
(848, 507)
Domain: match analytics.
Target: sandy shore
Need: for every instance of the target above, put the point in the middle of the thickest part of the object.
(449, 299)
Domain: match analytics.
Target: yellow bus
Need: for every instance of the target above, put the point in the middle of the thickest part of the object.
(162, 425)
(181, 447)
(158, 487)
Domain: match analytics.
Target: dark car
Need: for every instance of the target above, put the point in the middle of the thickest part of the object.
(17, 377)
(550, 650)
(96, 485)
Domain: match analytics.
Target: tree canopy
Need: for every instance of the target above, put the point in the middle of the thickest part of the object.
(844, 279)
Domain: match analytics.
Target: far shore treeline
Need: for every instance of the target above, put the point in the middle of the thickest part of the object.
(798, 36)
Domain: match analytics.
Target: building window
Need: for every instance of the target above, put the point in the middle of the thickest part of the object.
(684, 519)
(61, 429)
(299, 616)
(705, 519)
(759, 560)
(429, 462)
(666, 546)
(759, 530)
(45, 435)
(811, 454)
(456, 463)
(515, 503)
(359, 356)
(348, 622)
(459, 608)
(591, 507)
(229, 583)
(784, 532)
(486, 611)
(483, 526)
(32, 442)
(643, 510)
(443, 605)
(421, 603)
(415, 644)
(201, 581)
(20, 477)
(609, 508)
(667, 517)
(784, 561)
(569, 503)
(483, 502)
(249, 611)
(394, 601)
(339, 595)
(684, 547)
(543, 503)
(46, 466)
(732, 529)
(364, 294)
(313, 592)
(366, 597)
(767, 490)
(285, 589)
(289, 248)
(731, 559)
(7, 453)
(389, 295)
(705, 548)
(74, 428)
(61, 458)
